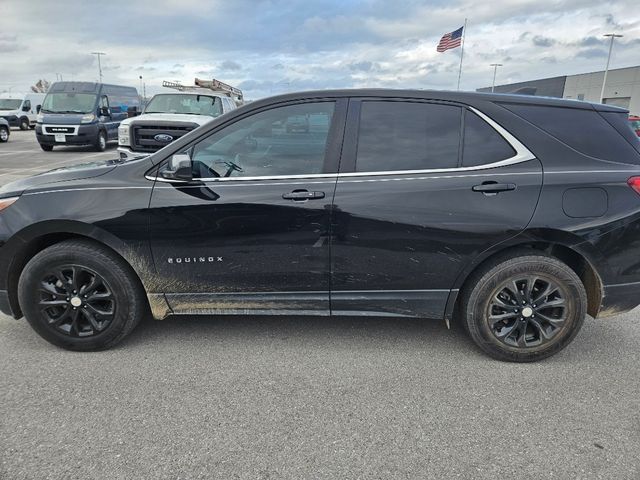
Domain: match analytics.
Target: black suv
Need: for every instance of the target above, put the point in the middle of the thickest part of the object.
(517, 215)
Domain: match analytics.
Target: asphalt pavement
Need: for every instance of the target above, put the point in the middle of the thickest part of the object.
(310, 398)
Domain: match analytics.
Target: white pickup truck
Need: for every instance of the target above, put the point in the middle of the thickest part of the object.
(169, 116)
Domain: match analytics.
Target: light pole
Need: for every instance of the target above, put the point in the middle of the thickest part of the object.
(495, 71)
(612, 36)
(99, 54)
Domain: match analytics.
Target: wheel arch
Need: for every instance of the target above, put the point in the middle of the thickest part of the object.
(35, 238)
(560, 245)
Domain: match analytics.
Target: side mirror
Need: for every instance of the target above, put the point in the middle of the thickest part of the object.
(178, 168)
(104, 111)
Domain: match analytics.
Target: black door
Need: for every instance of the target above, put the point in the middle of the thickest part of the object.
(423, 189)
(251, 232)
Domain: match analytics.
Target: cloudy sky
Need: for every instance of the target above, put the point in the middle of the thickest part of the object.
(274, 46)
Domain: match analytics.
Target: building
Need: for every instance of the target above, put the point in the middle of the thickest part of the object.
(622, 89)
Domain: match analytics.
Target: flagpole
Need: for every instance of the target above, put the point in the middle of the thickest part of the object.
(464, 34)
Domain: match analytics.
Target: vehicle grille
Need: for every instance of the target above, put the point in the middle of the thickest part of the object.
(143, 136)
(55, 129)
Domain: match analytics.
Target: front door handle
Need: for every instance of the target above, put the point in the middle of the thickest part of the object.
(300, 195)
(494, 187)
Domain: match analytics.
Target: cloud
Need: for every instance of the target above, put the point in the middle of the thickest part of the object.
(230, 65)
(540, 41)
(286, 45)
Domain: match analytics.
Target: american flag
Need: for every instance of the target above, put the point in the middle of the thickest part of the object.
(450, 40)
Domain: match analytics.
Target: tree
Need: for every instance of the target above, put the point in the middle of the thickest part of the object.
(41, 86)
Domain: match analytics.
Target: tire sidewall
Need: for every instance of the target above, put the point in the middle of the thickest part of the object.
(4, 134)
(24, 123)
(487, 286)
(101, 141)
(117, 281)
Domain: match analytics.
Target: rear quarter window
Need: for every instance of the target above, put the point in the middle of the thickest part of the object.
(587, 131)
(483, 145)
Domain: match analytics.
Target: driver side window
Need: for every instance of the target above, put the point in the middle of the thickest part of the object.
(289, 140)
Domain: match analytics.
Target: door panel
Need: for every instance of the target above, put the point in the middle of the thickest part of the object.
(251, 232)
(400, 239)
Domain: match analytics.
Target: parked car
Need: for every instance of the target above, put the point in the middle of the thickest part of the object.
(635, 123)
(21, 109)
(298, 123)
(5, 131)
(442, 205)
(83, 113)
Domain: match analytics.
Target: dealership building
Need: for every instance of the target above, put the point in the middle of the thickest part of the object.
(622, 88)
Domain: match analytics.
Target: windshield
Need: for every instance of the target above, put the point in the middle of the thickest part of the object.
(189, 104)
(69, 103)
(9, 104)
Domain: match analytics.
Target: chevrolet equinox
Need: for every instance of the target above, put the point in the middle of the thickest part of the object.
(517, 216)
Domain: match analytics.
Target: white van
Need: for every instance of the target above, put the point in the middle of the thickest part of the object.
(21, 109)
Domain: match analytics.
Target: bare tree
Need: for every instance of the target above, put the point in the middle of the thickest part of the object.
(41, 86)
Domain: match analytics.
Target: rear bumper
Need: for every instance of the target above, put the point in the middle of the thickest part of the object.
(619, 299)
(13, 120)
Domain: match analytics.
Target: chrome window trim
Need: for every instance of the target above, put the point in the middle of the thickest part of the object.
(522, 155)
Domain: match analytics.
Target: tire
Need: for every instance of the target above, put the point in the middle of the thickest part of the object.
(24, 123)
(101, 142)
(113, 296)
(46, 148)
(535, 326)
(4, 134)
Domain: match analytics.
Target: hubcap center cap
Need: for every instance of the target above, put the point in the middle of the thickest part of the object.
(76, 302)
(527, 312)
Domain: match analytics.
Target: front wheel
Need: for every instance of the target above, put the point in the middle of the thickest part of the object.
(525, 308)
(24, 123)
(101, 142)
(80, 296)
(4, 134)
(46, 148)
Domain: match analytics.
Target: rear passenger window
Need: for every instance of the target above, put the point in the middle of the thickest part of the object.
(408, 136)
(583, 130)
(482, 143)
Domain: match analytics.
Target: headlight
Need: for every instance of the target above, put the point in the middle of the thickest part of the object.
(40, 118)
(123, 135)
(7, 202)
(88, 118)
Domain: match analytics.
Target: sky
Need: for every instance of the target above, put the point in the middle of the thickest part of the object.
(267, 47)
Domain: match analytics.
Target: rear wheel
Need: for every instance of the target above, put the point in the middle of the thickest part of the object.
(4, 134)
(24, 123)
(101, 142)
(80, 296)
(46, 148)
(525, 308)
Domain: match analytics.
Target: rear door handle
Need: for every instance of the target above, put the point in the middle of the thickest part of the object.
(494, 187)
(303, 195)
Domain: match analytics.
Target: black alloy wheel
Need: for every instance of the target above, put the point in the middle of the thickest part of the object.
(527, 312)
(523, 306)
(80, 295)
(76, 301)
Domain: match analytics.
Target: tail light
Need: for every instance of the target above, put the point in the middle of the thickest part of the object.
(634, 182)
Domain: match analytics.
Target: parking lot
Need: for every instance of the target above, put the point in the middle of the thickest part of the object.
(293, 397)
